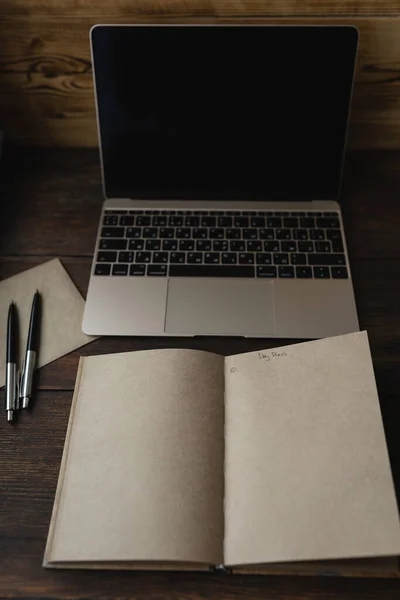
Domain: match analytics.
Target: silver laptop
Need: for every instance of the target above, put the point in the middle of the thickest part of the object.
(222, 153)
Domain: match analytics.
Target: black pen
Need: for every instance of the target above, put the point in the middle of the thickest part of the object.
(11, 364)
(30, 355)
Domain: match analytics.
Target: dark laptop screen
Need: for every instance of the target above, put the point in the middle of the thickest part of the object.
(232, 112)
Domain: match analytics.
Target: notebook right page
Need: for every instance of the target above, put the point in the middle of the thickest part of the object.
(307, 474)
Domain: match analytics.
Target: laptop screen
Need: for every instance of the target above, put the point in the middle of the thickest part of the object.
(224, 112)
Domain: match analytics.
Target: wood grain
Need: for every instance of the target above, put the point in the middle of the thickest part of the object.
(201, 7)
(46, 91)
(369, 199)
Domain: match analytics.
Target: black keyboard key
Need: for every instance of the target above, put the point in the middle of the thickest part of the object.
(160, 257)
(298, 259)
(241, 222)
(229, 258)
(137, 244)
(246, 259)
(192, 222)
(233, 234)
(115, 212)
(281, 259)
(328, 222)
(257, 222)
(177, 257)
(159, 222)
(221, 245)
(157, 270)
(216, 233)
(266, 272)
(143, 257)
(200, 233)
(274, 222)
(183, 232)
(331, 214)
(125, 257)
(337, 246)
(304, 272)
(195, 258)
(143, 221)
(153, 244)
(137, 270)
(203, 245)
(168, 212)
(290, 222)
(300, 234)
(102, 269)
(211, 271)
(119, 270)
(334, 235)
(109, 244)
(306, 246)
(106, 257)
(110, 220)
(126, 221)
(327, 259)
(254, 246)
(224, 222)
(208, 222)
(272, 246)
(170, 245)
(237, 246)
(288, 247)
(186, 245)
(321, 273)
(317, 234)
(112, 232)
(249, 213)
(175, 221)
(134, 232)
(250, 234)
(339, 273)
(322, 247)
(264, 258)
(266, 234)
(307, 222)
(167, 232)
(283, 234)
(150, 232)
(211, 258)
(286, 272)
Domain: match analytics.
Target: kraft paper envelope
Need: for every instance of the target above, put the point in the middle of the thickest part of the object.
(61, 312)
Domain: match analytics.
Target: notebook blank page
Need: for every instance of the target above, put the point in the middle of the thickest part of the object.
(143, 463)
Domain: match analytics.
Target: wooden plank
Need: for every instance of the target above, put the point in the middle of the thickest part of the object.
(377, 294)
(63, 188)
(46, 91)
(121, 8)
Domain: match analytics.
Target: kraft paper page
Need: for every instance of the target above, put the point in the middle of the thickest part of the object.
(143, 466)
(307, 475)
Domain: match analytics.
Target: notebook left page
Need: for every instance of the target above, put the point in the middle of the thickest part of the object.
(142, 472)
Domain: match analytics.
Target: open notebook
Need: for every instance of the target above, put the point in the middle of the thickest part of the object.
(181, 459)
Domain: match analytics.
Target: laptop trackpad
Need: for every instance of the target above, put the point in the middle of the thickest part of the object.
(220, 307)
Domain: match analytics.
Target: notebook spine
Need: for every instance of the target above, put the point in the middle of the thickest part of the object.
(221, 569)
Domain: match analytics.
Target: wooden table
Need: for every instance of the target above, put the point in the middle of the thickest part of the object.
(50, 204)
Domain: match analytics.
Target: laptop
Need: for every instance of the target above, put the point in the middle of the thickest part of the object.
(222, 152)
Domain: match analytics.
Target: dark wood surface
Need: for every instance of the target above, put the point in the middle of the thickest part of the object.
(50, 203)
(46, 90)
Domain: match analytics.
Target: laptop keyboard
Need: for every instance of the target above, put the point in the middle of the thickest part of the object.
(262, 244)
